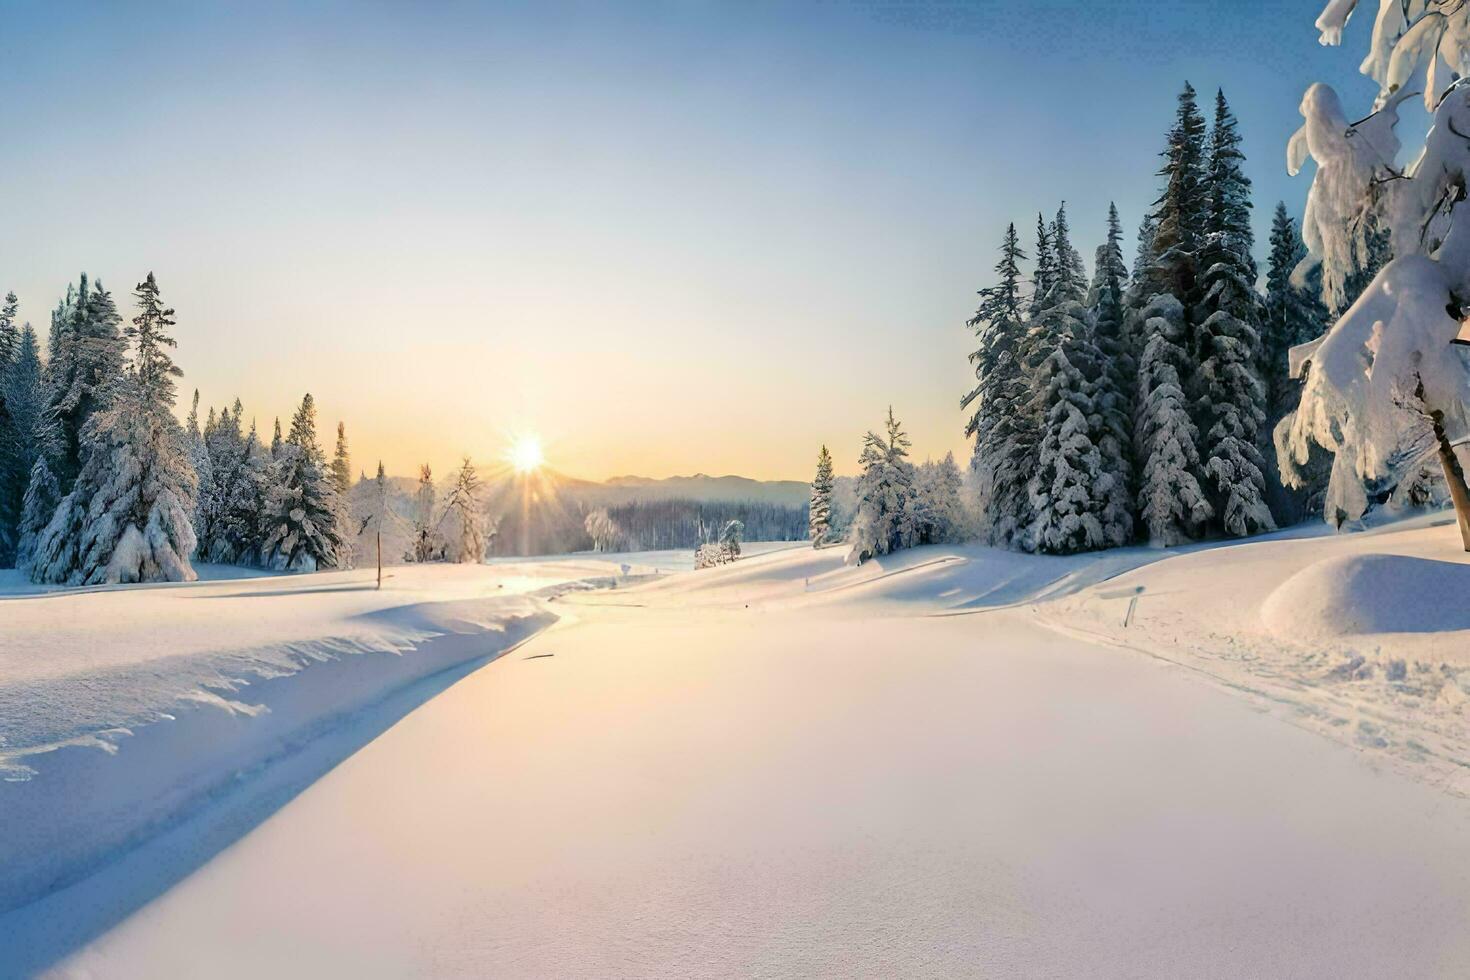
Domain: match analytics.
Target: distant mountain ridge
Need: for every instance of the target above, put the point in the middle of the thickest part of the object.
(701, 486)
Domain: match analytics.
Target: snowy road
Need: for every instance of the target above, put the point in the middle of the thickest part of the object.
(674, 792)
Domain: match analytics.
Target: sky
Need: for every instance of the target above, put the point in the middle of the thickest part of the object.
(665, 238)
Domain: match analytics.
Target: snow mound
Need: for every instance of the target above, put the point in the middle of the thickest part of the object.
(1374, 593)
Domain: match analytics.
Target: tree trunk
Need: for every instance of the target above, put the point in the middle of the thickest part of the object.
(380, 558)
(1454, 476)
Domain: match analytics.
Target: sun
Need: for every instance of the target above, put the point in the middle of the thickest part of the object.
(525, 454)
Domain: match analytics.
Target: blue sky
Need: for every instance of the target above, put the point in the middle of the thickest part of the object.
(666, 237)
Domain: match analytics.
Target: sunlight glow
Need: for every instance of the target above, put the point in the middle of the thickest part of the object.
(525, 454)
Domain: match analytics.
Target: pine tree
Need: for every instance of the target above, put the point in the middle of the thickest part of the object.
(42, 497)
(127, 516)
(464, 518)
(9, 331)
(276, 440)
(301, 514)
(88, 361)
(23, 390)
(1070, 276)
(11, 464)
(1115, 383)
(1293, 316)
(342, 463)
(886, 519)
(819, 514)
(427, 545)
(1044, 276)
(1228, 392)
(203, 473)
(942, 518)
(1172, 504)
(1002, 424)
(243, 504)
(1181, 213)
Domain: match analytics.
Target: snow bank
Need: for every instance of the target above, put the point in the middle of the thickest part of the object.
(1358, 594)
(124, 711)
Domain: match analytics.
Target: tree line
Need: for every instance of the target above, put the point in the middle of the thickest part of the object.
(1137, 405)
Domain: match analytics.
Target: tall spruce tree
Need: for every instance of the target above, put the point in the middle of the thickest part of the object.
(342, 463)
(127, 515)
(301, 512)
(1002, 423)
(92, 353)
(23, 390)
(1069, 487)
(1294, 315)
(819, 514)
(1114, 383)
(887, 517)
(10, 434)
(1228, 393)
(1172, 503)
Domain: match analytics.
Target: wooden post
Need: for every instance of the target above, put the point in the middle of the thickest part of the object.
(1454, 476)
(380, 559)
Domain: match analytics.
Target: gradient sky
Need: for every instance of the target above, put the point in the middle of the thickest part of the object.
(668, 238)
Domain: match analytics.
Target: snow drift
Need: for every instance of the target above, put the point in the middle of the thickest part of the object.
(1355, 594)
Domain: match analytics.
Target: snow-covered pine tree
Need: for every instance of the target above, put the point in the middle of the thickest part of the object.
(819, 514)
(1065, 483)
(203, 471)
(1044, 276)
(276, 440)
(1228, 392)
(9, 330)
(1116, 381)
(1172, 504)
(342, 463)
(427, 544)
(1002, 422)
(224, 446)
(1068, 487)
(43, 495)
(89, 358)
(1294, 315)
(301, 515)
(464, 518)
(937, 487)
(25, 401)
(243, 507)
(127, 516)
(10, 435)
(886, 517)
(1181, 213)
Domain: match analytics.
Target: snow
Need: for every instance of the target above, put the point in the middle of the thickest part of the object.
(125, 709)
(949, 760)
(770, 769)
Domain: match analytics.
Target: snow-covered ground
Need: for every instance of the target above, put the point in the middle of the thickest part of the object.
(125, 711)
(951, 761)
